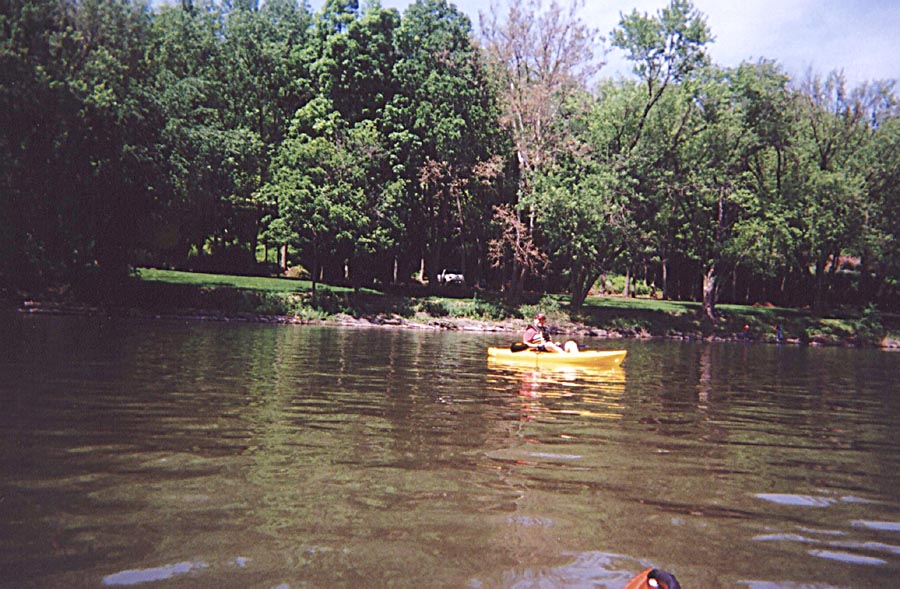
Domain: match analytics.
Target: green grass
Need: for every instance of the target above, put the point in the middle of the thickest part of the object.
(637, 316)
(260, 283)
(177, 291)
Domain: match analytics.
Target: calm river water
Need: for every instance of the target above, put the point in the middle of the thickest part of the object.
(168, 454)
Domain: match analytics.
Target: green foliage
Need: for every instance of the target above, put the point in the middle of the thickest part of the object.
(869, 328)
(80, 125)
(479, 308)
(297, 272)
(615, 284)
(581, 213)
(549, 305)
(667, 47)
(370, 145)
(435, 308)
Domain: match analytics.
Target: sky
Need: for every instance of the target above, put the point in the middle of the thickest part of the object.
(860, 37)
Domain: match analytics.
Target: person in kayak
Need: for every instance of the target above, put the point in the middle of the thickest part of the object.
(537, 337)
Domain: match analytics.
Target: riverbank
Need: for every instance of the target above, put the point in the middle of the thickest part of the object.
(162, 294)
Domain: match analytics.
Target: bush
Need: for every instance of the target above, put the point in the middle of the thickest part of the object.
(615, 284)
(630, 325)
(330, 303)
(869, 327)
(485, 309)
(434, 308)
(297, 272)
(549, 305)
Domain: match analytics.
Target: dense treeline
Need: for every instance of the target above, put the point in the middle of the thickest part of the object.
(366, 146)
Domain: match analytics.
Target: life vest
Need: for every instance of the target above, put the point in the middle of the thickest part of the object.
(537, 336)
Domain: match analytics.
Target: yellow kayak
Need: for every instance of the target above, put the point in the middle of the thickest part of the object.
(591, 358)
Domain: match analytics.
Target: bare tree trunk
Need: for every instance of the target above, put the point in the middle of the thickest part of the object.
(818, 298)
(709, 293)
(314, 274)
(665, 279)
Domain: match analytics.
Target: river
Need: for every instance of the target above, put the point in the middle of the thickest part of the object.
(190, 454)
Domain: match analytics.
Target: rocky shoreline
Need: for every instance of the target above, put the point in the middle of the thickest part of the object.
(419, 321)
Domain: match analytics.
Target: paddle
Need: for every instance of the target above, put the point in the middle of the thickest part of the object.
(521, 347)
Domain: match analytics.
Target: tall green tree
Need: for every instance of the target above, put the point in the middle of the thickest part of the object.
(328, 205)
(266, 55)
(352, 59)
(443, 123)
(666, 50)
(81, 129)
(539, 59)
(583, 219)
(880, 247)
(355, 58)
(833, 134)
(214, 162)
(719, 215)
(768, 110)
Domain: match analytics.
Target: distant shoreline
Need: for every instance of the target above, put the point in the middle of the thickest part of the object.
(421, 321)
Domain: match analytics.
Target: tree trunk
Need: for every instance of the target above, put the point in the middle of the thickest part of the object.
(665, 279)
(314, 274)
(818, 297)
(581, 288)
(709, 293)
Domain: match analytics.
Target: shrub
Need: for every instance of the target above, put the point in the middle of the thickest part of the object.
(615, 284)
(549, 305)
(434, 308)
(297, 272)
(869, 327)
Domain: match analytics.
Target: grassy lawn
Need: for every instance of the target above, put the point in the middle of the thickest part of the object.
(173, 290)
(201, 280)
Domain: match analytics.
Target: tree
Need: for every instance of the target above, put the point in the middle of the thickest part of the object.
(720, 211)
(443, 123)
(80, 166)
(582, 216)
(833, 135)
(768, 111)
(265, 70)
(355, 58)
(212, 167)
(516, 242)
(539, 59)
(880, 246)
(330, 200)
(665, 49)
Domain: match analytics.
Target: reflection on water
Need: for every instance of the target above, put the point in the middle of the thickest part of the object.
(138, 577)
(216, 455)
(557, 391)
